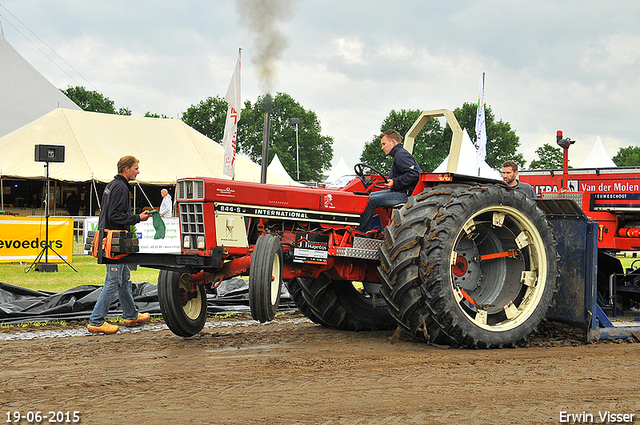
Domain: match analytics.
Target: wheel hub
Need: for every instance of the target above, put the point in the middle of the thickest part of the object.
(466, 272)
(460, 266)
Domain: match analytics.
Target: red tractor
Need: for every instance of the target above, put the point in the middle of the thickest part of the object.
(466, 260)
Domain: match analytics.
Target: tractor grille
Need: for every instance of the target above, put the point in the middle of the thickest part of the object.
(190, 190)
(192, 222)
(364, 248)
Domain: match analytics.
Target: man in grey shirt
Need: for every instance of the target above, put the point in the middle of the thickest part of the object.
(510, 176)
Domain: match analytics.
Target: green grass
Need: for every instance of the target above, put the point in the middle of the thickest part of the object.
(34, 324)
(89, 273)
(627, 262)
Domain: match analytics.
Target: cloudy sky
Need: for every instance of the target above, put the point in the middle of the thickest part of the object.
(572, 65)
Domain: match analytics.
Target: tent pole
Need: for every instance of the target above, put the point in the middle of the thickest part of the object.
(55, 187)
(1, 192)
(90, 212)
(95, 189)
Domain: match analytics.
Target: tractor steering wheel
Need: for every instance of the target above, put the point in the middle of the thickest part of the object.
(359, 170)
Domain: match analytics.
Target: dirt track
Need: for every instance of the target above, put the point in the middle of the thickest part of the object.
(292, 371)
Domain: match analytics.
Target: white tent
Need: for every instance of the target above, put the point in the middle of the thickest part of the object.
(167, 149)
(597, 157)
(277, 167)
(340, 170)
(467, 161)
(25, 95)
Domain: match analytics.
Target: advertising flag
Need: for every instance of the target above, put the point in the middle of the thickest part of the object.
(481, 128)
(233, 98)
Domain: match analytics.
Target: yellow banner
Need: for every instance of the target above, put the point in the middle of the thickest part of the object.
(23, 238)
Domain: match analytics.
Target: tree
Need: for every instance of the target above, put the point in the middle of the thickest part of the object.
(502, 141)
(429, 148)
(207, 117)
(627, 157)
(92, 101)
(315, 150)
(550, 158)
(154, 115)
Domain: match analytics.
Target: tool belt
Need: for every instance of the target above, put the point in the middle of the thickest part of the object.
(115, 243)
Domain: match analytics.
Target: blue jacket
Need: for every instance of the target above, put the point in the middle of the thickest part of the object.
(115, 213)
(405, 171)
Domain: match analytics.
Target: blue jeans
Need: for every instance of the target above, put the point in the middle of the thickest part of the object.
(118, 279)
(381, 199)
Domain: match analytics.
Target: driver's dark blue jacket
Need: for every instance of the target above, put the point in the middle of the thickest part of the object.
(405, 171)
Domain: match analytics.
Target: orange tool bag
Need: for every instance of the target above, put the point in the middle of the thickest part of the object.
(115, 243)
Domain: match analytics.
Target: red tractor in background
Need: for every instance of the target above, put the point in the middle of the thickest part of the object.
(611, 197)
(466, 260)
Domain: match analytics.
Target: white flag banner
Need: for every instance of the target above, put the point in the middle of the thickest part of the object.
(233, 98)
(481, 128)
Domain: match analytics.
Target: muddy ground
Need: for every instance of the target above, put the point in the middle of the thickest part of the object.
(292, 371)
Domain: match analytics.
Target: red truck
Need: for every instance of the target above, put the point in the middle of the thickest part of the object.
(609, 196)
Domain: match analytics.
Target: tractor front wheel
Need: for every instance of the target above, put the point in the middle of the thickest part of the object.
(184, 309)
(265, 278)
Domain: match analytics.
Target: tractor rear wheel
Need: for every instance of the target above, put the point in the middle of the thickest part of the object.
(338, 304)
(265, 278)
(472, 265)
(184, 311)
(295, 290)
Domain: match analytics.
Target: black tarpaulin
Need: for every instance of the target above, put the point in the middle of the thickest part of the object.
(21, 305)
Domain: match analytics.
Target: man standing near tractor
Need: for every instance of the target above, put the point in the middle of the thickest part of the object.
(116, 215)
(510, 176)
(403, 178)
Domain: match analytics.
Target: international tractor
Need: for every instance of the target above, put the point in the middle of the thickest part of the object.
(466, 261)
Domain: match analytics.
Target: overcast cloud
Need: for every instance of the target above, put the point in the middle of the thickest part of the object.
(573, 65)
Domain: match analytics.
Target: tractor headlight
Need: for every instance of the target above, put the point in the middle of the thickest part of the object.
(200, 241)
(186, 242)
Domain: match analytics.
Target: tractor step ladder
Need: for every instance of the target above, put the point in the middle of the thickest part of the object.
(363, 248)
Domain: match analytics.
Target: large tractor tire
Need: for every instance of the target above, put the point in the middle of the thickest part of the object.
(338, 304)
(265, 278)
(184, 313)
(469, 265)
(295, 290)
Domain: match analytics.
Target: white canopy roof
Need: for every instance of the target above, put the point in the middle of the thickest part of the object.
(467, 161)
(341, 169)
(597, 157)
(167, 149)
(25, 95)
(277, 167)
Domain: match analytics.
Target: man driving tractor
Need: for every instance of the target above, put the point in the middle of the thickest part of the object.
(403, 178)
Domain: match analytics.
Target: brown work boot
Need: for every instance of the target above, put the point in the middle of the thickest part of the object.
(105, 327)
(142, 317)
